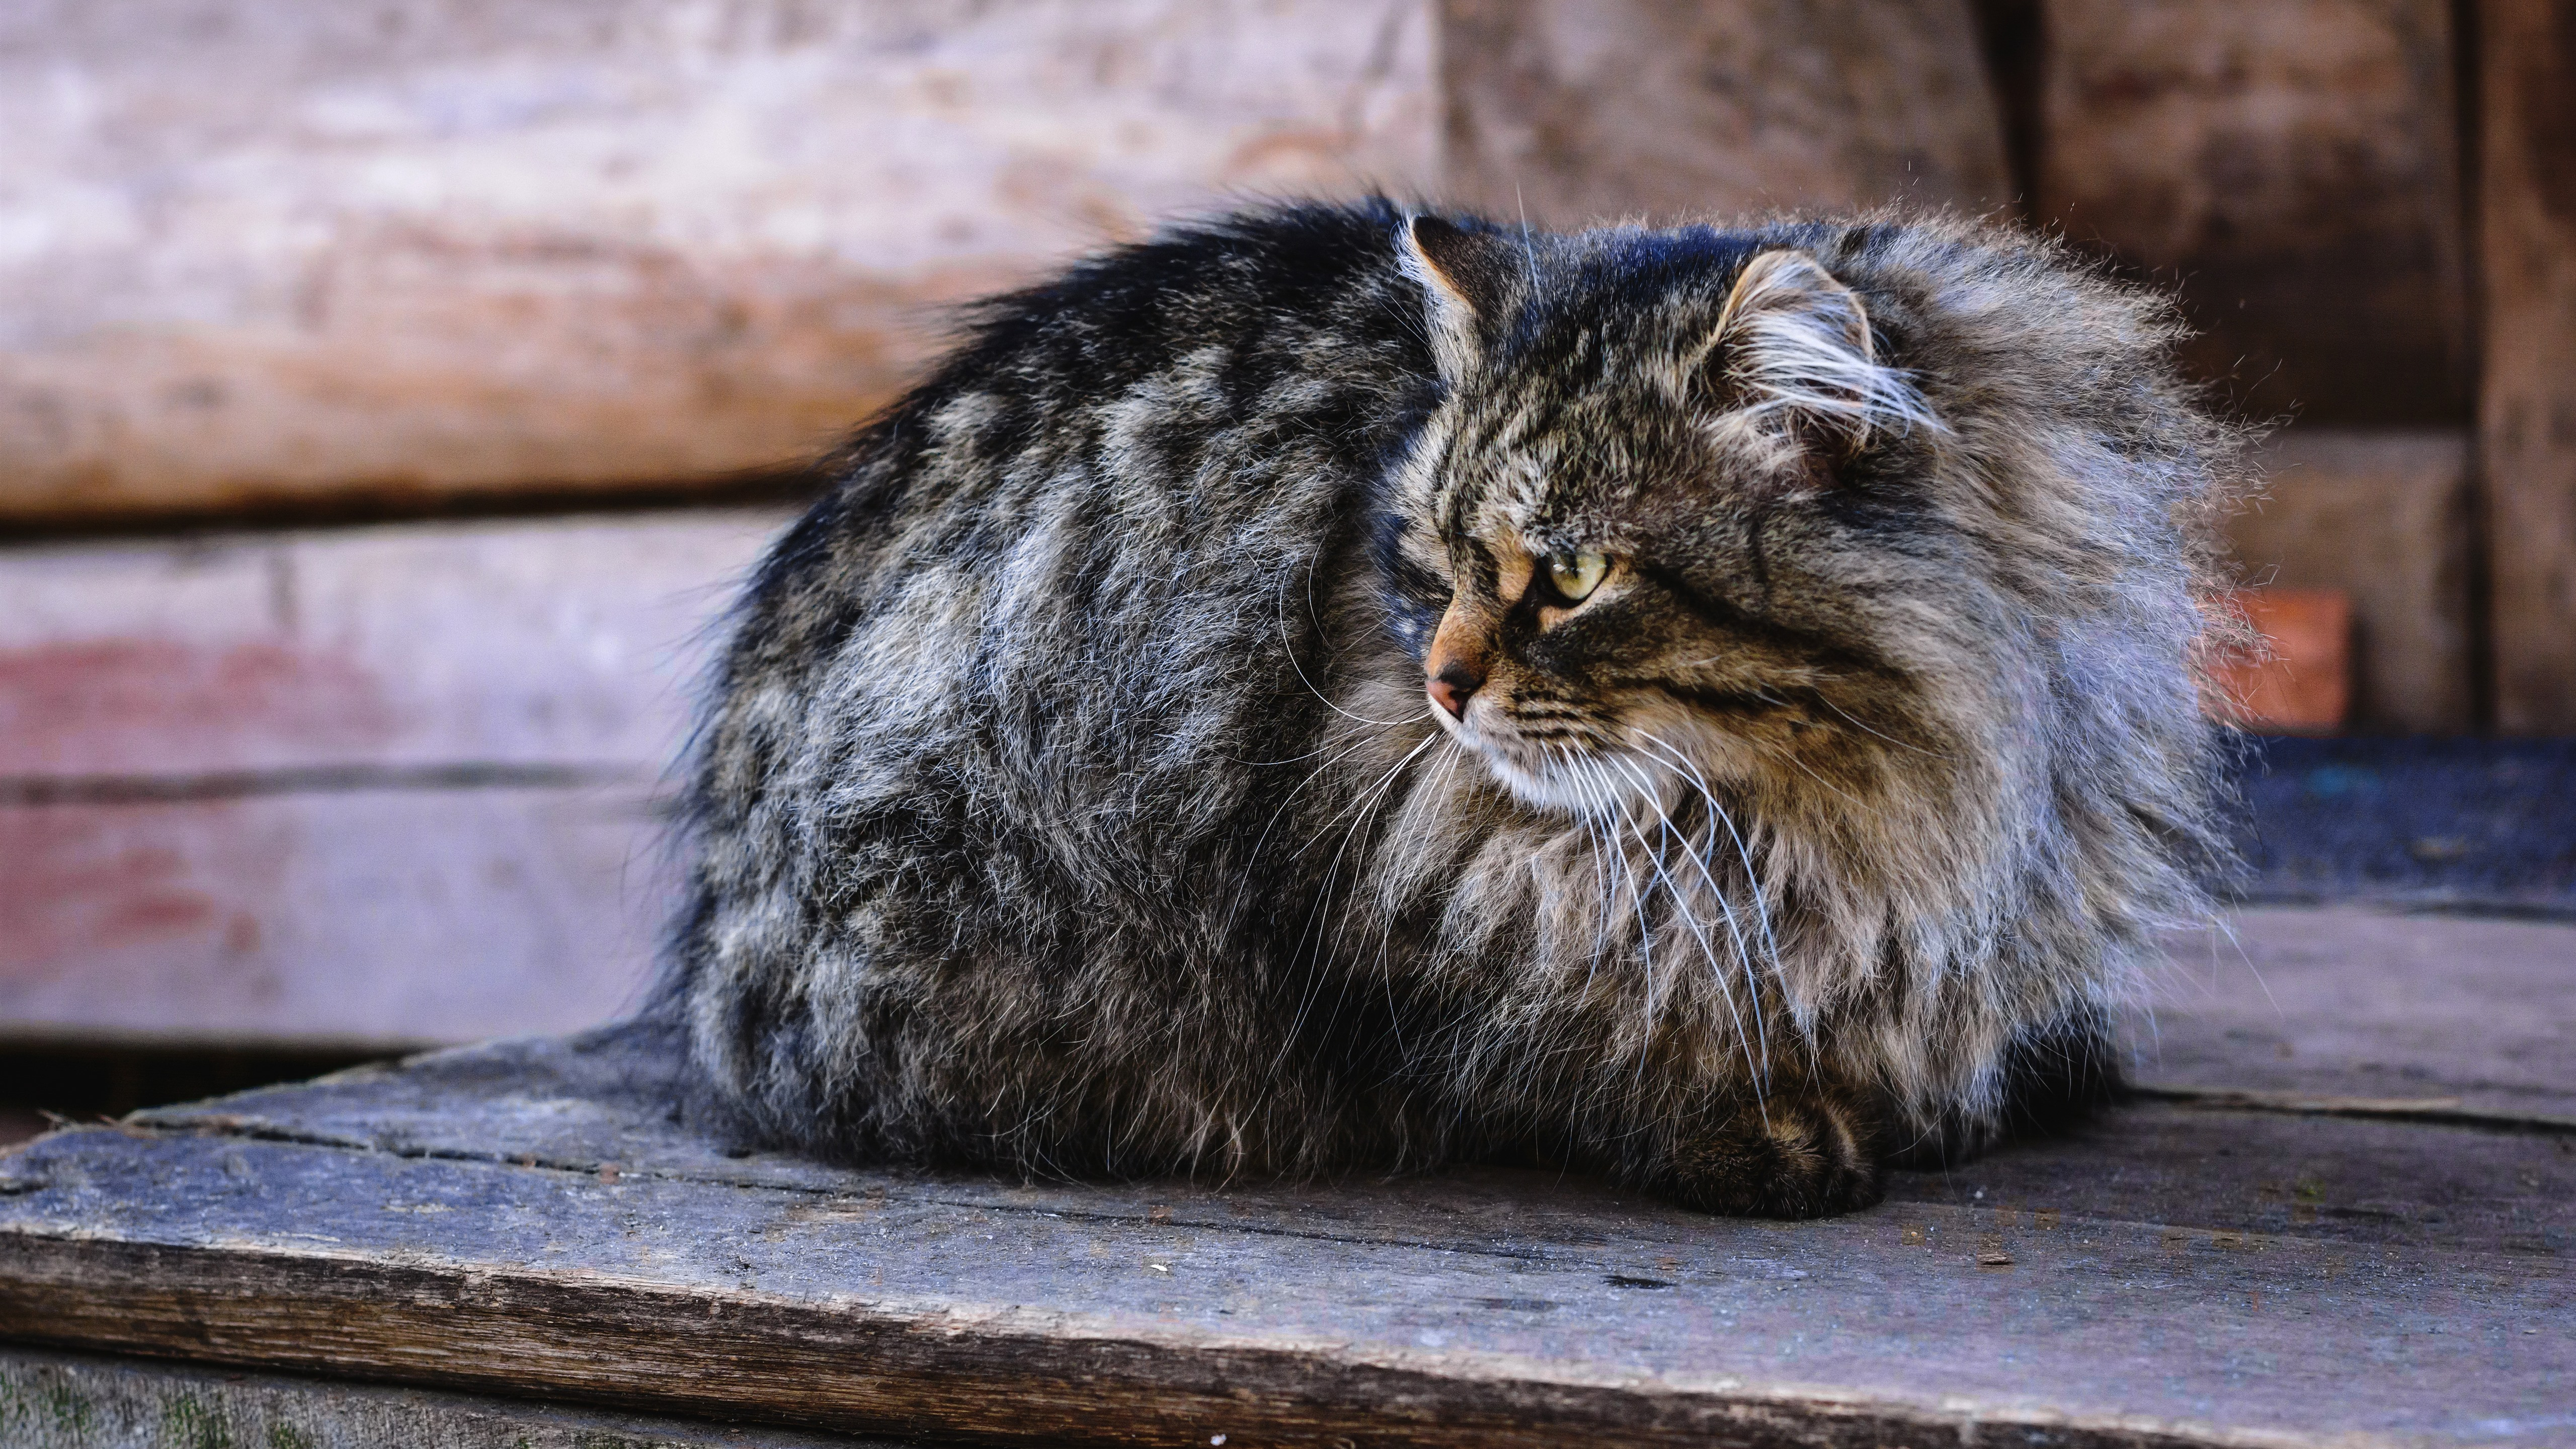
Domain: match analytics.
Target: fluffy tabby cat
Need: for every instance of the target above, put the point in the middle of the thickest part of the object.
(1338, 689)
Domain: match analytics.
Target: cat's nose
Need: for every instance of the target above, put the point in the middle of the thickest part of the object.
(1451, 688)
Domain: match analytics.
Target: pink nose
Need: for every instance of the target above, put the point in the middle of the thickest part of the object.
(1453, 686)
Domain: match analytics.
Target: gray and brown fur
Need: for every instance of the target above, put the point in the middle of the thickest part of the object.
(1072, 802)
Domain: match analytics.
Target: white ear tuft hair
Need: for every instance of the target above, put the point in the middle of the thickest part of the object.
(1465, 279)
(1796, 348)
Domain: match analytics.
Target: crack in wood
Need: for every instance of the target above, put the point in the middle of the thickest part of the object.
(526, 1161)
(2432, 1111)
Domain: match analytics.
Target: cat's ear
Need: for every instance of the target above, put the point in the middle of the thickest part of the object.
(1793, 359)
(1466, 279)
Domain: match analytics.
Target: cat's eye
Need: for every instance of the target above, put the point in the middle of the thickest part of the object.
(1575, 575)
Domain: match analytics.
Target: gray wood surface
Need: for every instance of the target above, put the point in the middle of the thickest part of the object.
(355, 915)
(262, 659)
(73, 1401)
(2348, 1003)
(527, 1217)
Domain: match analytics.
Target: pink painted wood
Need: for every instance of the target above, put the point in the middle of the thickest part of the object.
(389, 785)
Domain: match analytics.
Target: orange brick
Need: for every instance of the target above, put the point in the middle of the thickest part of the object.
(2298, 678)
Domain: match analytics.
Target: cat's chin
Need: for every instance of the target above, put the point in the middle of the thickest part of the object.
(1553, 788)
(1541, 792)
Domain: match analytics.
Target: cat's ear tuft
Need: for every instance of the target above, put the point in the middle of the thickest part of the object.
(1793, 359)
(1466, 279)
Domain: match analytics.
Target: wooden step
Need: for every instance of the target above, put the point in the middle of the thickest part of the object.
(529, 1219)
(75, 1401)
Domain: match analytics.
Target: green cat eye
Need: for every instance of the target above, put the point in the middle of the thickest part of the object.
(1576, 575)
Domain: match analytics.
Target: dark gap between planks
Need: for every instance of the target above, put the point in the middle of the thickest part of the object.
(84, 1080)
(785, 487)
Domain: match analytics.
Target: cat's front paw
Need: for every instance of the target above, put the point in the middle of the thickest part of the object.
(1793, 1157)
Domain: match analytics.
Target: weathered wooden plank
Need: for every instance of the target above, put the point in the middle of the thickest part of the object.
(370, 914)
(558, 642)
(2135, 1294)
(2527, 398)
(2370, 1005)
(2383, 517)
(604, 1100)
(391, 785)
(69, 1401)
(430, 246)
(1571, 111)
(2295, 168)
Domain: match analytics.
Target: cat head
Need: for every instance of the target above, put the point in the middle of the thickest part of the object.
(1659, 511)
(1834, 519)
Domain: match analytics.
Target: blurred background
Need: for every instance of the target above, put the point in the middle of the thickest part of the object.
(392, 391)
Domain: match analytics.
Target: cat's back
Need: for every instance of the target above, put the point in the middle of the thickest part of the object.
(1125, 408)
(1084, 537)
(981, 700)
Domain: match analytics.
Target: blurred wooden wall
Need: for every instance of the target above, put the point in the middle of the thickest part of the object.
(332, 705)
(260, 252)
(2294, 168)
(2526, 216)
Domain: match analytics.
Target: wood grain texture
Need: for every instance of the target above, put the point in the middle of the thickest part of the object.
(2294, 166)
(267, 252)
(369, 915)
(2364, 1004)
(561, 642)
(532, 1218)
(379, 785)
(1574, 111)
(70, 1401)
(2527, 401)
(527, 1216)
(2383, 517)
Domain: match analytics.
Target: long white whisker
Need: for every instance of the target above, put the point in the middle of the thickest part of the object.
(1288, 647)
(1600, 875)
(1752, 873)
(1865, 729)
(1725, 905)
(1725, 989)
(1386, 937)
(1277, 815)
(1752, 877)
(1603, 790)
(1359, 811)
(1377, 785)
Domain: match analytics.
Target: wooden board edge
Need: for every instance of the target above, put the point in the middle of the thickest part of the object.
(83, 1401)
(855, 1369)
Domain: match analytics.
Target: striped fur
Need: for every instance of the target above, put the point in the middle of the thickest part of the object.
(1070, 802)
